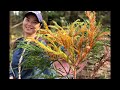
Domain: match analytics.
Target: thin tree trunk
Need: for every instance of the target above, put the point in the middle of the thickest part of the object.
(16, 25)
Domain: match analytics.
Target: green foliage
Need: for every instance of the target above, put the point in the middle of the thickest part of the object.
(40, 75)
(34, 56)
(98, 47)
(96, 53)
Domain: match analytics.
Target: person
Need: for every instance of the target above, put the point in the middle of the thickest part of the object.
(30, 20)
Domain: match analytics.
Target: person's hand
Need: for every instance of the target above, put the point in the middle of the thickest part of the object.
(64, 71)
(11, 77)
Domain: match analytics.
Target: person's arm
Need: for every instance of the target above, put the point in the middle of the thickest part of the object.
(15, 59)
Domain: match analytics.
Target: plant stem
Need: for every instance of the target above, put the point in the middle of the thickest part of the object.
(74, 73)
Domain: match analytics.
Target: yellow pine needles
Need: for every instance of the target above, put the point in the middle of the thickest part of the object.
(77, 40)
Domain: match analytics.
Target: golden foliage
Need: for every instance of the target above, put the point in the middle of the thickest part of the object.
(77, 39)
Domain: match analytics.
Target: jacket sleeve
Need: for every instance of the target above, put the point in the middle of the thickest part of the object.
(14, 64)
